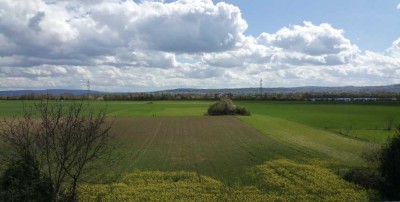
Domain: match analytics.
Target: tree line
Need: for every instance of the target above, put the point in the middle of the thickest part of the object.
(297, 96)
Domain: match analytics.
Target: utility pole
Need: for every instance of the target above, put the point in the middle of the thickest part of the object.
(261, 89)
(88, 89)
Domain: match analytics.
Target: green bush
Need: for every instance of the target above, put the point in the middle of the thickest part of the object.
(242, 111)
(22, 181)
(366, 178)
(390, 167)
(226, 107)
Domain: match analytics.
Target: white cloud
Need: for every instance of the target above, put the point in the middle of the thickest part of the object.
(394, 50)
(128, 46)
(302, 45)
(59, 31)
(314, 40)
(398, 6)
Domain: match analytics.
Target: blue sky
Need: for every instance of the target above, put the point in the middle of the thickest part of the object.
(372, 24)
(146, 45)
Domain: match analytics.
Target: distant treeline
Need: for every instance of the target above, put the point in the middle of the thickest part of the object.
(298, 96)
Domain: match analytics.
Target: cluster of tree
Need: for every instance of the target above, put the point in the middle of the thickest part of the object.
(317, 96)
(32, 96)
(298, 96)
(225, 106)
(49, 152)
(383, 172)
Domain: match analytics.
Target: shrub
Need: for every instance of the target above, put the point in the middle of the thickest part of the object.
(364, 177)
(390, 167)
(22, 181)
(242, 111)
(226, 107)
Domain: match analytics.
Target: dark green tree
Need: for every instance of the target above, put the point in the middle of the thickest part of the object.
(23, 181)
(390, 167)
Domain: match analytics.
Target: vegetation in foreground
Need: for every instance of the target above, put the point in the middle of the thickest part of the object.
(390, 167)
(49, 153)
(295, 131)
(281, 180)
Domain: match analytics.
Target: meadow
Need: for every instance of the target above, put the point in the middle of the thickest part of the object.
(284, 149)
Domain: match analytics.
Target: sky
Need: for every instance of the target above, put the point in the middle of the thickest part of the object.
(148, 45)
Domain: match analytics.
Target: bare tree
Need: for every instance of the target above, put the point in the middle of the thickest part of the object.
(64, 137)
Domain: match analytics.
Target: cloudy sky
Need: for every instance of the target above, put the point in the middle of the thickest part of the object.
(152, 45)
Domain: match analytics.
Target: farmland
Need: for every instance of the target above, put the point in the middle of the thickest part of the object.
(220, 147)
(362, 121)
(278, 180)
(237, 157)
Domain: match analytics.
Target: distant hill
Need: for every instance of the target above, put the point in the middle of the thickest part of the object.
(281, 90)
(48, 91)
(305, 89)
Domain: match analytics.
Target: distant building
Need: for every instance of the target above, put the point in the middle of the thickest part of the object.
(346, 99)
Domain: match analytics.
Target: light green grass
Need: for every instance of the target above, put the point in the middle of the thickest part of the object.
(123, 108)
(357, 118)
(309, 140)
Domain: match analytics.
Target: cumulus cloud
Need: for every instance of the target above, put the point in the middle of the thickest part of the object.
(300, 45)
(314, 40)
(151, 44)
(61, 31)
(395, 48)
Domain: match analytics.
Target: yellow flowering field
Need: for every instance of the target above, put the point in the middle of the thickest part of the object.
(278, 180)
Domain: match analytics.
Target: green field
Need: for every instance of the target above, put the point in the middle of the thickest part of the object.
(220, 147)
(174, 136)
(362, 121)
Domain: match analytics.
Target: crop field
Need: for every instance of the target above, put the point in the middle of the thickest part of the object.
(372, 122)
(283, 147)
(124, 108)
(278, 180)
(220, 147)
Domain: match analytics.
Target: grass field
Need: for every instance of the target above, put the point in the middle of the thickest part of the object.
(124, 109)
(364, 121)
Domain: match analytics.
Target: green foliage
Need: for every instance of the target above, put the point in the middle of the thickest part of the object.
(390, 167)
(366, 178)
(226, 107)
(372, 155)
(223, 107)
(22, 181)
(242, 111)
